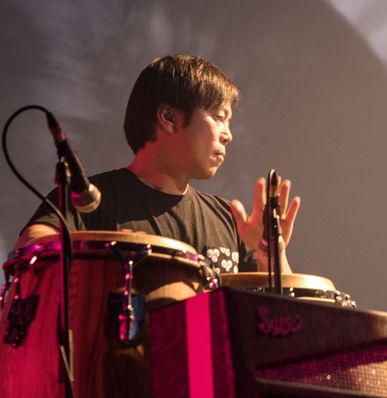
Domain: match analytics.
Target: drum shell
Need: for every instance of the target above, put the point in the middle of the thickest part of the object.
(102, 365)
(38, 357)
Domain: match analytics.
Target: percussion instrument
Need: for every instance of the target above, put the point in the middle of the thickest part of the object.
(301, 286)
(160, 270)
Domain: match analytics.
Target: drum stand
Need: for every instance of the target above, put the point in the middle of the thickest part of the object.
(62, 179)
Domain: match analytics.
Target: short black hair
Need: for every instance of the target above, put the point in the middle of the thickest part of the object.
(184, 82)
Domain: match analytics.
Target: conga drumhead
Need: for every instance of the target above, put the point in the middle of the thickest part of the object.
(121, 236)
(251, 280)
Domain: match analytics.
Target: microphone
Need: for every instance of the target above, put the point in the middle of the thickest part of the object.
(272, 195)
(85, 197)
(274, 205)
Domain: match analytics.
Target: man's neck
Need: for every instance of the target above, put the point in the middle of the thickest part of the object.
(154, 176)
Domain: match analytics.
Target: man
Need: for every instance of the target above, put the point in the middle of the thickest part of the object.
(178, 125)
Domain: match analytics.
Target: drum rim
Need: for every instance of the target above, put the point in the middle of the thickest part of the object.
(120, 236)
(289, 280)
(96, 240)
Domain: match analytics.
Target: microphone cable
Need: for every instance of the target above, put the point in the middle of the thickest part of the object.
(23, 180)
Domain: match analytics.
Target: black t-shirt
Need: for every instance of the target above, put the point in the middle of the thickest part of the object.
(201, 220)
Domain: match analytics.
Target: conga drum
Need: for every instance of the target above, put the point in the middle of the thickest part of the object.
(164, 271)
(300, 286)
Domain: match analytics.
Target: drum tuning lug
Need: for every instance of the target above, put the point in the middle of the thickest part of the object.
(126, 318)
(344, 300)
(348, 302)
(3, 292)
(209, 276)
(127, 329)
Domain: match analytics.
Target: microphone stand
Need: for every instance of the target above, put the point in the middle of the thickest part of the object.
(62, 179)
(276, 236)
(273, 232)
(268, 231)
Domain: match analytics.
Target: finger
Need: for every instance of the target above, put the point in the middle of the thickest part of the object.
(259, 197)
(284, 196)
(290, 218)
(239, 213)
(291, 214)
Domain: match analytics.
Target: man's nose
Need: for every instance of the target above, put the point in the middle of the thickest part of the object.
(226, 136)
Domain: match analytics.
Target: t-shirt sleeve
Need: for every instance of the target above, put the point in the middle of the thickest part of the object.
(45, 215)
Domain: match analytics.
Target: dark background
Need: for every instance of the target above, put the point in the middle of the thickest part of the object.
(314, 93)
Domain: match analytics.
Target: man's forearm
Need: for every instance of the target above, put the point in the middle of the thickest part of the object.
(33, 233)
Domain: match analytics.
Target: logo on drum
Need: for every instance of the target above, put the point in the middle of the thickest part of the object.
(278, 327)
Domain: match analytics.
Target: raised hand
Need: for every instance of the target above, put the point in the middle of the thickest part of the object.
(250, 227)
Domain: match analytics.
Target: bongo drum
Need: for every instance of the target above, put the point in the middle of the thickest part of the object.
(300, 286)
(164, 271)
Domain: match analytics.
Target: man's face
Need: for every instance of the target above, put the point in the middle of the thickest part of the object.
(201, 145)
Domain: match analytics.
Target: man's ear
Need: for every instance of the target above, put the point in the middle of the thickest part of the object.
(166, 117)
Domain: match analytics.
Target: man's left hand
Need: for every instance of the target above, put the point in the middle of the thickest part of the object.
(250, 227)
